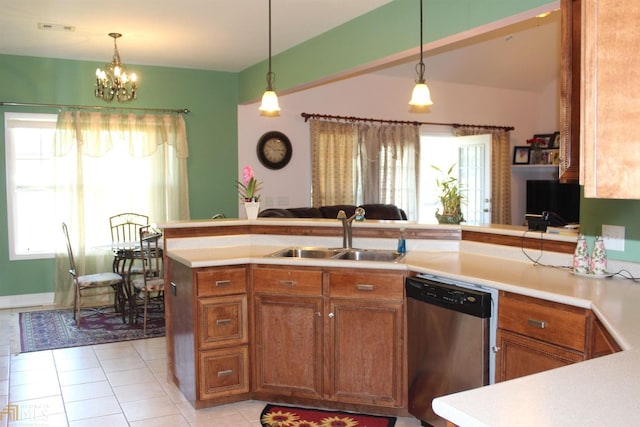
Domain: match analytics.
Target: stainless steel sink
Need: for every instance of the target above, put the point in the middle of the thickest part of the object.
(306, 252)
(339, 253)
(371, 255)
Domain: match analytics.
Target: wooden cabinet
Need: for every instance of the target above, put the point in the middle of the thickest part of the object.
(570, 90)
(288, 332)
(610, 146)
(208, 333)
(328, 336)
(536, 335)
(365, 330)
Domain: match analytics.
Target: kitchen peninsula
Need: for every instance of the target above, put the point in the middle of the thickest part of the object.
(560, 396)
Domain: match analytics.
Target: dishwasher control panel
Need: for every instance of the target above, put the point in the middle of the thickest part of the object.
(470, 301)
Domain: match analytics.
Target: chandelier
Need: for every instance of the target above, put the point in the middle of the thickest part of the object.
(269, 106)
(114, 81)
(421, 96)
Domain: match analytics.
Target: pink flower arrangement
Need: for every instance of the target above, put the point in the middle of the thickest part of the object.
(249, 186)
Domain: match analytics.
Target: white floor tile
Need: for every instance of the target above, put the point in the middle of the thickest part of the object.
(85, 391)
(92, 408)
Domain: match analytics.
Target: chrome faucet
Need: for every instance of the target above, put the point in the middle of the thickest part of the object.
(347, 235)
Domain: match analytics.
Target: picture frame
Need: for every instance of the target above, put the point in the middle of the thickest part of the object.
(548, 138)
(521, 155)
(550, 156)
(555, 142)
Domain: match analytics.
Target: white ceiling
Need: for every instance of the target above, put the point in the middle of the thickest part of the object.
(231, 35)
(224, 35)
(523, 56)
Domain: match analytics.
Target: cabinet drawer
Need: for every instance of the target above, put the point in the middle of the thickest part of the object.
(289, 282)
(547, 321)
(226, 281)
(224, 372)
(223, 321)
(366, 285)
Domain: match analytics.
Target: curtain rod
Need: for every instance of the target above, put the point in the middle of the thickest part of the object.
(91, 107)
(308, 116)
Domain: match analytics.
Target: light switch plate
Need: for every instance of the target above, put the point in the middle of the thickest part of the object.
(613, 237)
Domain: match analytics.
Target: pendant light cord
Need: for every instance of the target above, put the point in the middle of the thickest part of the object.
(270, 73)
(420, 68)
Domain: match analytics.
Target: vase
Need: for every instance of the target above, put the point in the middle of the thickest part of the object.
(252, 209)
(581, 264)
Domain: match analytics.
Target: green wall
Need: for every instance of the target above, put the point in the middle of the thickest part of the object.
(211, 96)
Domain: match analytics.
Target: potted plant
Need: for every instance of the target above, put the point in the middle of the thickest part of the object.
(248, 192)
(450, 197)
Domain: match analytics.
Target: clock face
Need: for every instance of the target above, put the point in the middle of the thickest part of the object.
(274, 150)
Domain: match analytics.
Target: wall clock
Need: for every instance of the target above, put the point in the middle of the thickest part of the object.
(274, 150)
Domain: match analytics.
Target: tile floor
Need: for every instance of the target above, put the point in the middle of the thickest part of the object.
(111, 385)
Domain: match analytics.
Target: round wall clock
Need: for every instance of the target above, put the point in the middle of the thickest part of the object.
(274, 150)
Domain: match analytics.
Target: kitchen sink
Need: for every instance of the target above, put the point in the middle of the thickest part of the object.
(339, 253)
(306, 252)
(370, 255)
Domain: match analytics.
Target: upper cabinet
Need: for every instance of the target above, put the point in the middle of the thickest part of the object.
(570, 91)
(610, 144)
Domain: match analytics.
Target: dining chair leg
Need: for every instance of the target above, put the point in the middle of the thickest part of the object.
(146, 301)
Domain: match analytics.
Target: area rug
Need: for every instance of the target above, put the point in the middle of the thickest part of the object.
(52, 329)
(290, 416)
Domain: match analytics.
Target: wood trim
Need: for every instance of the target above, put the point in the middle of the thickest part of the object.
(519, 241)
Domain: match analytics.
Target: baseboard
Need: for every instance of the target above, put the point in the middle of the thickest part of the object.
(26, 300)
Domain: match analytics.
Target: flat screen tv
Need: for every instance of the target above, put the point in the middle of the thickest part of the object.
(552, 196)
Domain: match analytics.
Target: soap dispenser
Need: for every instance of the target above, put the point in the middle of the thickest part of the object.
(402, 243)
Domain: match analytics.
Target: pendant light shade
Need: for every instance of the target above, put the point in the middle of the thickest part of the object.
(421, 95)
(269, 106)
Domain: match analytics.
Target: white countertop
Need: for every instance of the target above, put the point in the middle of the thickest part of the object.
(601, 391)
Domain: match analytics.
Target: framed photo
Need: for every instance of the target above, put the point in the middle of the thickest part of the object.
(548, 139)
(555, 142)
(550, 156)
(521, 155)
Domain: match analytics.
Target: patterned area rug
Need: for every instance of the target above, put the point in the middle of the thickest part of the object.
(51, 329)
(289, 416)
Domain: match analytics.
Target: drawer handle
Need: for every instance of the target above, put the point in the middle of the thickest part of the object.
(365, 287)
(537, 323)
(223, 282)
(223, 321)
(288, 283)
(225, 373)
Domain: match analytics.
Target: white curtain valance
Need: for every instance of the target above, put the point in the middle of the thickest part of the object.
(95, 133)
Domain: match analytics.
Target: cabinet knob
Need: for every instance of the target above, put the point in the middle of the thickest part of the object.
(331, 315)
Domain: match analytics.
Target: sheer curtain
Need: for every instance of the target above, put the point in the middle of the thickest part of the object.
(355, 163)
(105, 164)
(390, 159)
(500, 170)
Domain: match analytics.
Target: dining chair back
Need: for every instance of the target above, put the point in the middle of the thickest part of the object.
(149, 286)
(125, 228)
(89, 281)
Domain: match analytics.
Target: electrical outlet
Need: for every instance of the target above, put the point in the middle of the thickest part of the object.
(613, 237)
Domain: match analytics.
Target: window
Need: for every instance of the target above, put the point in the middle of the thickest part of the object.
(471, 155)
(30, 189)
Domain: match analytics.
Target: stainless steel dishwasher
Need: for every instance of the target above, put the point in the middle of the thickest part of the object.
(451, 329)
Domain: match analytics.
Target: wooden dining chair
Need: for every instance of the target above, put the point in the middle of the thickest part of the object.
(149, 286)
(82, 283)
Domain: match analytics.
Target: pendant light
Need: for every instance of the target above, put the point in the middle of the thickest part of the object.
(269, 106)
(421, 96)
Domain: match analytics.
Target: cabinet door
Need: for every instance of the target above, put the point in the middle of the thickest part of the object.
(365, 352)
(288, 345)
(610, 152)
(519, 356)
